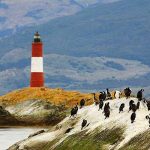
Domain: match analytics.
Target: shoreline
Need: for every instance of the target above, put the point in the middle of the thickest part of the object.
(20, 127)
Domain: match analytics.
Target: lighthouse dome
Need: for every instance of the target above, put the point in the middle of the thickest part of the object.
(37, 37)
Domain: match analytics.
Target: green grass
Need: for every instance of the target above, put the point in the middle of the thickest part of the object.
(97, 140)
(139, 142)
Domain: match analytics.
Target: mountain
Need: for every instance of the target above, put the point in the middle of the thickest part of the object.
(102, 45)
(37, 12)
(98, 30)
(115, 133)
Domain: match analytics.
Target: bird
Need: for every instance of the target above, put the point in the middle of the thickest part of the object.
(133, 116)
(84, 123)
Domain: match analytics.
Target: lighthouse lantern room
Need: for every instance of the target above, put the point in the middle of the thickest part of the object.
(37, 74)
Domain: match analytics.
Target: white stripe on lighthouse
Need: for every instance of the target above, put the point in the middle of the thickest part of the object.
(37, 64)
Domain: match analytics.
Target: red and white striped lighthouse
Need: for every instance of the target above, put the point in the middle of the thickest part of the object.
(37, 74)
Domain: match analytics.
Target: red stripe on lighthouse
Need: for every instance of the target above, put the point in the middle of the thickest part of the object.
(37, 79)
(37, 50)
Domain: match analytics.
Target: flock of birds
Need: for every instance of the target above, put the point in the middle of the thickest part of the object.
(104, 105)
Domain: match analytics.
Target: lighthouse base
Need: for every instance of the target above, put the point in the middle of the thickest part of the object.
(37, 79)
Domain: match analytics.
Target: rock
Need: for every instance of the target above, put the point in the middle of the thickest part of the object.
(14, 147)
(58, 127)
(25, 147)
(3, 112)
(6, 118)
(36, 133)
(44, 113)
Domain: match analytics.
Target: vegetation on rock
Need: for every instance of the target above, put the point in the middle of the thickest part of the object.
(55, 96)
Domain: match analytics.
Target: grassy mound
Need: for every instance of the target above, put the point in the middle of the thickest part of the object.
(55, 96)
(139, 142)
(97, 140)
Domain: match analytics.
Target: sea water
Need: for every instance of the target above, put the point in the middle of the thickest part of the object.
(9, 136)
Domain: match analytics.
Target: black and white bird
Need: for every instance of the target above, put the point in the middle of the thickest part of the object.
(84, 123)
(140, 94)
(121, 107)
(82, 103)
(133, 116)
(101, 104)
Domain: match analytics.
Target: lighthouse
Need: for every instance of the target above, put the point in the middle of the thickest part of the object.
(37, 74)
